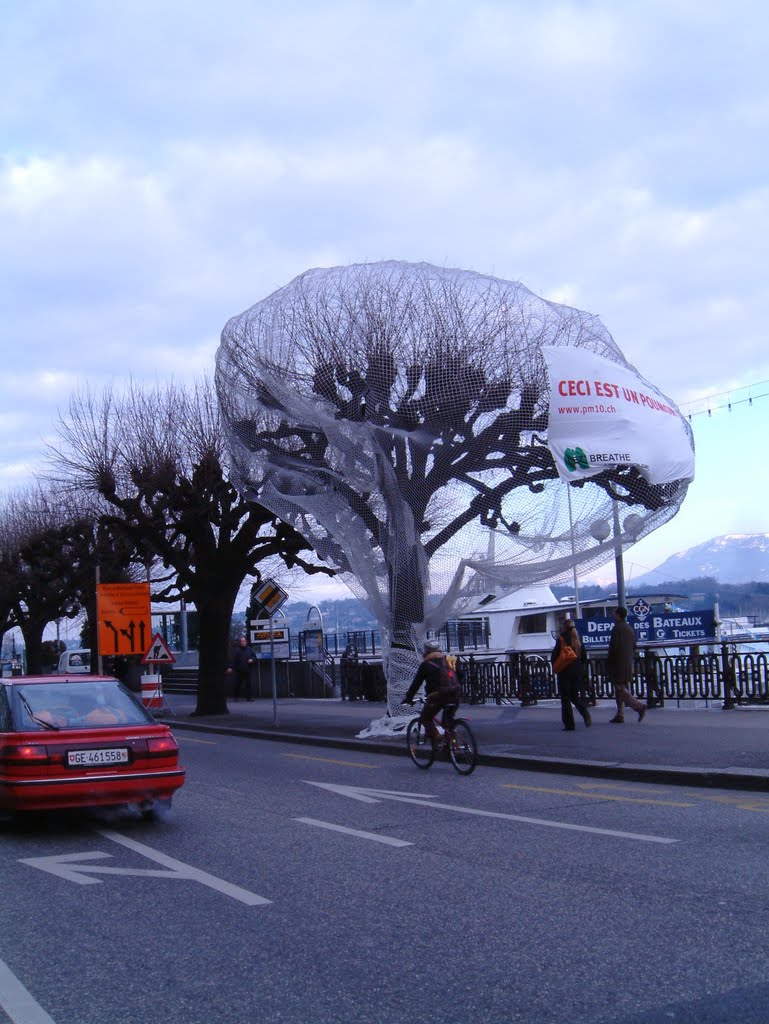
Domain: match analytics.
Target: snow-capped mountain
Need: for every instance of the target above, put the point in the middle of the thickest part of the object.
(733, 558)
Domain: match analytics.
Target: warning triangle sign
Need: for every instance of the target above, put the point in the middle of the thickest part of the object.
(158, 652)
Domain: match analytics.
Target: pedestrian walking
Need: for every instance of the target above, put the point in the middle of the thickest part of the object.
(569, 671)
(240, 666)
(619, 666)
(351, 688)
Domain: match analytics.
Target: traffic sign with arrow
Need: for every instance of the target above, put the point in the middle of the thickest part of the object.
(124, 617)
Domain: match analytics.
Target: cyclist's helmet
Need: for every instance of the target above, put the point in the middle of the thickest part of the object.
(430, 647)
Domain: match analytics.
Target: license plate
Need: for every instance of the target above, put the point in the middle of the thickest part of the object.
(86, 758)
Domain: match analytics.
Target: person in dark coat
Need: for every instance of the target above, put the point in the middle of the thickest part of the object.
(570, 679)
(619, 666)
(438, 674)
(242, 660)
(351, 688)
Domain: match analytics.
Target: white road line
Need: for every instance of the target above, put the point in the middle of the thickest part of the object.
(374, 836)
(16, 1001)
(372, 796)
(251, 899)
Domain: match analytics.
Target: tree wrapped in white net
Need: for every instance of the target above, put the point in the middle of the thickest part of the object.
(396, 415)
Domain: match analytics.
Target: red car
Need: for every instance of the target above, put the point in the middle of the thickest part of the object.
(82, 741)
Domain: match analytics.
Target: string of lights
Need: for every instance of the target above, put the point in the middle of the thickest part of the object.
(726, 400)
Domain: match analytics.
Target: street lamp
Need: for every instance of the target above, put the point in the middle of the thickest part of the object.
(601, 530)
(577, 610)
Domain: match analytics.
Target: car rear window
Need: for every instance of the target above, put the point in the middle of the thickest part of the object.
(76, 705)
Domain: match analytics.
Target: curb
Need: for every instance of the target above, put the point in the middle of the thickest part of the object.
(750, 779)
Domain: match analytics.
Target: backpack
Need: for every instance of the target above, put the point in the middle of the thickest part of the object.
(566, 656)
(448, 681)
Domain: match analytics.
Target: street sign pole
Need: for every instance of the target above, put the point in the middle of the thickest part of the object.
(269, 597)
(99, 660)
(274, 684)
(618, 562)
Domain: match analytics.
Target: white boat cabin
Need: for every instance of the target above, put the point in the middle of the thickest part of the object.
(530, 619)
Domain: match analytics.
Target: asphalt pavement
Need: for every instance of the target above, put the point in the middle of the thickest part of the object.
(688, 745)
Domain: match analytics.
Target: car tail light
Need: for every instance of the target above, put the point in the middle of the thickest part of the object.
(162, 746)
(25, 753)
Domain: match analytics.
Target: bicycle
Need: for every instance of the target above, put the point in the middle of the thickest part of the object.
(457, 740)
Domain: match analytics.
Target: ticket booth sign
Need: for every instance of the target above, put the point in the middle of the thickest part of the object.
(313, 645)
(264, 641)
(652, 627)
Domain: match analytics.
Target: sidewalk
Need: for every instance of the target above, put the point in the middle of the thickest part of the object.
(688, 746)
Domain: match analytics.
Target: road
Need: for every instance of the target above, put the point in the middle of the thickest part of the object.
(295, 884)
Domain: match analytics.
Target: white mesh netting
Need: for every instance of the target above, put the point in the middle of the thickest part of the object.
(396, 415)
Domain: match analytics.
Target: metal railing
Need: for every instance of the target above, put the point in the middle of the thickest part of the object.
(724, 674)
(455, 637)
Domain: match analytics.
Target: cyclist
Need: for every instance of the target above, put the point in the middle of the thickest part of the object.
(437, 673)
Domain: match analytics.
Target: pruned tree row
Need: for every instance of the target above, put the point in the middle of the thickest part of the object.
(156, 463)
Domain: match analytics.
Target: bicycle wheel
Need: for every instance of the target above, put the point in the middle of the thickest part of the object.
(419, 745)
(463, 750)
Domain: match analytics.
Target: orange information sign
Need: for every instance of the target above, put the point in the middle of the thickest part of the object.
(125, 620)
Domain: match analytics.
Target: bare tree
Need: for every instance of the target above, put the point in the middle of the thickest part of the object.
(157, 458)
(42, 564)
(397, 415)
(9, 567)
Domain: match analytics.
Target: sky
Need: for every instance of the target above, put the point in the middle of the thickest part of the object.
(164, 166)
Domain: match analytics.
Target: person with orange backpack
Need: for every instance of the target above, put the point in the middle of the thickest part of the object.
(570, 672)
(438, 673)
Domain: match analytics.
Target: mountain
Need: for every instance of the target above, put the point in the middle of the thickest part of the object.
(733, 558)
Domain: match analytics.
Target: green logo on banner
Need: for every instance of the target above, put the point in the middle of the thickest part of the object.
(575, 459)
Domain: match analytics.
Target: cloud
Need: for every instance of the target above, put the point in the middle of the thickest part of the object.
(164, 168)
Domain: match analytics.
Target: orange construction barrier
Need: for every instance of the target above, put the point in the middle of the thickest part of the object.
(152, 691)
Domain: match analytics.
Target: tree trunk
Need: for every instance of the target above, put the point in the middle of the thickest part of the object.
(214, 616)
(32, 631)
(406, 633)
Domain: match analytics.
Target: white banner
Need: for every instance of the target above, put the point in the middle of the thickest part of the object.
(604, 414)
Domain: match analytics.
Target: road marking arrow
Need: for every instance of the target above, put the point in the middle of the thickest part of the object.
(373, 796)
(70, 867)
(375, 837)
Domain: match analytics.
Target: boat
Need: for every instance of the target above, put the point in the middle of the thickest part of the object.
(528, 620)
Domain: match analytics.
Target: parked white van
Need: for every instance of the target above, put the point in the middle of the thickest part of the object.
(72, 662)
